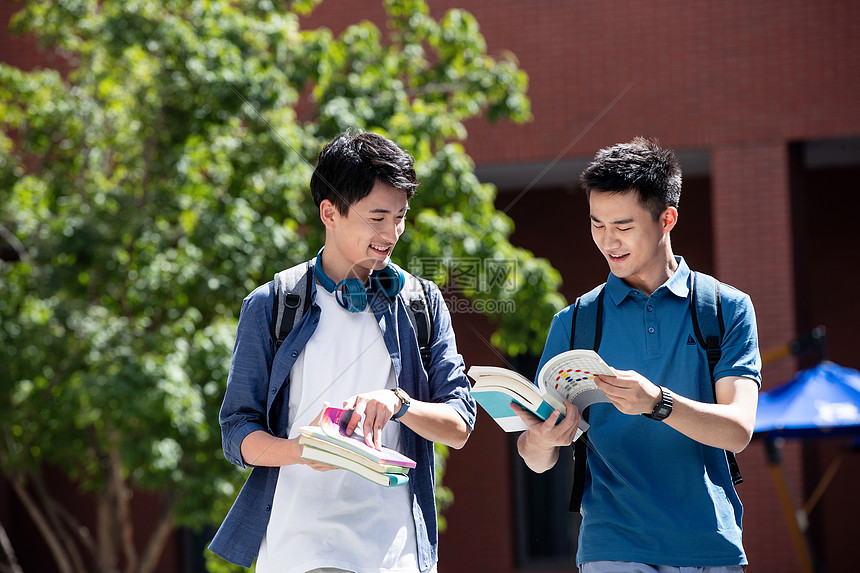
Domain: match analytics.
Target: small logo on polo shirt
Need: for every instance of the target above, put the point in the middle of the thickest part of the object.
(691, 340)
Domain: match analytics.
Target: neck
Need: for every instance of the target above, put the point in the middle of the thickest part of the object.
(656, 277)
(337, 269)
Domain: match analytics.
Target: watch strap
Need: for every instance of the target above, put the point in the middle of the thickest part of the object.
(404, 403)
(663, 408)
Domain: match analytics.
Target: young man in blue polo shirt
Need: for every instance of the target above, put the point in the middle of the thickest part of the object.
(658, 493)
(355, 346)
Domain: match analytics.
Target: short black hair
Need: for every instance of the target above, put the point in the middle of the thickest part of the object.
(350, 164)
(640, 166)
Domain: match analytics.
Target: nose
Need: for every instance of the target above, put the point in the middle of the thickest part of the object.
(391, 232)
(609, 239)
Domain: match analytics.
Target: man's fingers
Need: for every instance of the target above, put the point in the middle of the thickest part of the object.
(372, 428)
(525, 415)
(354, 420)
(377, 437)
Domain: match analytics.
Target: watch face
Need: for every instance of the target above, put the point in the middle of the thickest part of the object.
(404, 401)
(402, 395)
(663, 408)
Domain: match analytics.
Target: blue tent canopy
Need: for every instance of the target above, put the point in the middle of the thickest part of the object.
(820, 401)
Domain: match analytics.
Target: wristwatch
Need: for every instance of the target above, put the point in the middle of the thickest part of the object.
(663, 408)
(405, 401)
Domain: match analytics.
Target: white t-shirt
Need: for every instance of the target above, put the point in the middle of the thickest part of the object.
(335, 518)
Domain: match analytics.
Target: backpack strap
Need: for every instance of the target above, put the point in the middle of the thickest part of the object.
(416, 295)
(707, 324)
(586, 330)
(707, 313)
(291, 301)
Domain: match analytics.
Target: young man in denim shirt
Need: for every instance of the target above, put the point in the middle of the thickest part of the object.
(362, 353)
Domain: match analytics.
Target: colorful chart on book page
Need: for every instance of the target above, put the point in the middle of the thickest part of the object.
(572, 375)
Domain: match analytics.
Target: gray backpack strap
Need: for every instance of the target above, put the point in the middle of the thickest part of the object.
(707, 315)
(707, 312)
(586, 328)
(292, 289)
(586, 325)
(416, 295)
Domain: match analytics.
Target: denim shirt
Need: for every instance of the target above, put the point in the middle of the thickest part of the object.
(258, 389)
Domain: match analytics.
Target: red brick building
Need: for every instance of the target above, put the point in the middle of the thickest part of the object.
(760, 100)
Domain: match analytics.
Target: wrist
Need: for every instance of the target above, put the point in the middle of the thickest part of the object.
(540, 456)
(405, 402)
(294, 449)
(655, 399)
(532, 442)
(663, 407)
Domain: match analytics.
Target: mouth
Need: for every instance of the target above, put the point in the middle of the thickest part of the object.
(617, 258)
(382, 249)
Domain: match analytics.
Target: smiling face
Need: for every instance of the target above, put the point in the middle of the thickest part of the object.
(362, 240)
(636, 246)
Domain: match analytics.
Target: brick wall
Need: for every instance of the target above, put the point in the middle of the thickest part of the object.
(700, 74)
(753, 236)
(20, 51)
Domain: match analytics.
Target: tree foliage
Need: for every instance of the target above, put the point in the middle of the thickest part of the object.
(162, 174)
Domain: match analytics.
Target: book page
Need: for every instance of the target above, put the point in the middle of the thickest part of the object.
(333, 424)
(569, 377)
(379, 477)
(518, 387)
(314, 441)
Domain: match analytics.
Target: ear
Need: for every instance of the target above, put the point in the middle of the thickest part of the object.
(328, 214)
(668, 219)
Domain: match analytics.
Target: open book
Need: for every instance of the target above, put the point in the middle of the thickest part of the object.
(566, 377)
(328, 443)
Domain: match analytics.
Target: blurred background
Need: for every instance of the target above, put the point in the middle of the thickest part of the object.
(153, 170)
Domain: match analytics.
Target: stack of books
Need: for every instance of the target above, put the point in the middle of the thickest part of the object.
(329, 444)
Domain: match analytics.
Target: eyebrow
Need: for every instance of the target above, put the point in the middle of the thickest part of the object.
(618, 222)
(380, 210)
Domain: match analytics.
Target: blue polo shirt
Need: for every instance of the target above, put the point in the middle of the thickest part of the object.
(653, 495)
(258, 389)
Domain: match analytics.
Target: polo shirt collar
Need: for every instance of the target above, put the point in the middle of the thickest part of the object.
(677, 284)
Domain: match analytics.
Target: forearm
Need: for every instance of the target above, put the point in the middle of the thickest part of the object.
(727, 424)
(263, 449)
(724, 426)
(438, 423)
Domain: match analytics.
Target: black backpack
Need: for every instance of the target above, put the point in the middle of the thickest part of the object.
(586, 330)
(293, 297)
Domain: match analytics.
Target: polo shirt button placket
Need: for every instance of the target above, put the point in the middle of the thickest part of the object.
(651, 339)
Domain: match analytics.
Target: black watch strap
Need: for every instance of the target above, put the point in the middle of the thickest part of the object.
(663, 408)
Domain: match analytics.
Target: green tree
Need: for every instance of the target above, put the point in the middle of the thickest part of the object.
(160, 175)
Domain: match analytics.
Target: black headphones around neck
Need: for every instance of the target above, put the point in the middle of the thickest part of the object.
(351, 293)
